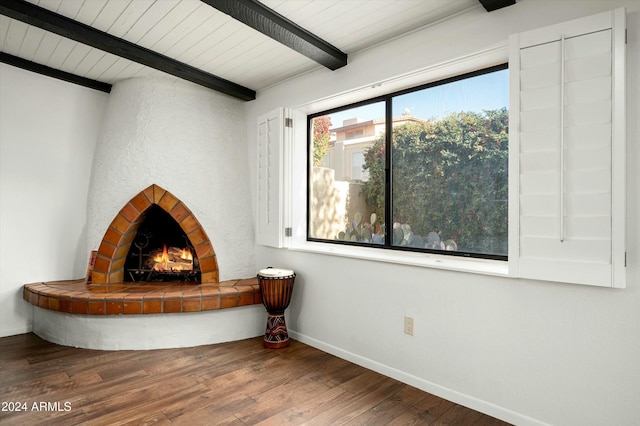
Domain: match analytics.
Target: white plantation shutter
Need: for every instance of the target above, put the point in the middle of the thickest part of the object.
(275, 135)
(567, 152)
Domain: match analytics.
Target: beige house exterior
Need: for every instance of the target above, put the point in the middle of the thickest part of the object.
(337, 186)
(349, 142)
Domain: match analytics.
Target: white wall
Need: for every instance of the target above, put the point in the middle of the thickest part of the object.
(527, 352)
(48, 132)
(187, 139)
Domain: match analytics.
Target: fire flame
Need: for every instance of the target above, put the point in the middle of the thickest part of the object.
(164, 257)
(186, 254)
(166, 263)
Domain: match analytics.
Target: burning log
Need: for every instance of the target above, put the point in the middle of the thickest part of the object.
(171, 259)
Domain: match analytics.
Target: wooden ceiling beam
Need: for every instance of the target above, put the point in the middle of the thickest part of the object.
(491, 5)
(66, 27)
(52, 72)
(272, 24)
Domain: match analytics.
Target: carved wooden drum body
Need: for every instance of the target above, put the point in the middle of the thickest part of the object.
(276, 286)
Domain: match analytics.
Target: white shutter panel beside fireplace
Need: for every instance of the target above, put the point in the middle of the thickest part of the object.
(567, 152)
(275, 135)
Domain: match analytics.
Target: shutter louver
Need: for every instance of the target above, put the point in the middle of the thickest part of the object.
(565, 131)
(274, 140)
(269, 180)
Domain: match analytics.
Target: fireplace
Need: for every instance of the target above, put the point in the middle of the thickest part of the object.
(161, 251)
(106, 292)
(130, 178)
(155, 237)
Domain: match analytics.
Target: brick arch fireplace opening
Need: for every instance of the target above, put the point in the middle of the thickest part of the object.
(109, 264)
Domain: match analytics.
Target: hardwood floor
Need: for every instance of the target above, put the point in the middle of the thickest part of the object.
(238, 383)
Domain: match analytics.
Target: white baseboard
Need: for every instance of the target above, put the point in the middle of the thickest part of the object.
(425, 385)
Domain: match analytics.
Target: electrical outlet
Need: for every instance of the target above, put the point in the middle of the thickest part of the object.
(408, 325)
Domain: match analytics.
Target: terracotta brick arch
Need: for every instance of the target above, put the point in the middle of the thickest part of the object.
(113, 250)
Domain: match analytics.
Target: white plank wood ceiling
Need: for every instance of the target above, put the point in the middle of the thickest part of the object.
(196, 34)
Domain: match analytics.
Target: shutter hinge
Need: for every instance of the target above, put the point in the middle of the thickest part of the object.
(288, 232)
(626, 36)
(288, 122)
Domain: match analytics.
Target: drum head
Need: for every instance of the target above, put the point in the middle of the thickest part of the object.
(275, 272)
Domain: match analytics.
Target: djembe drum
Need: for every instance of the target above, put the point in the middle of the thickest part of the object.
(276, 286)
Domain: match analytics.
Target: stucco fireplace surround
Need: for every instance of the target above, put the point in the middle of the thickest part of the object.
(175, 146)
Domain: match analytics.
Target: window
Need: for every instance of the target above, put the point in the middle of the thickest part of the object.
(357, 166)
(428, 171)
(354, 134)
(435, 181)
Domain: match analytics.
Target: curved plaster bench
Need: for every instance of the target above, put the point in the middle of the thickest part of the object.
(134, 315)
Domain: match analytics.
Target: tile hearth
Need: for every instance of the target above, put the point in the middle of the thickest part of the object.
(130, 298)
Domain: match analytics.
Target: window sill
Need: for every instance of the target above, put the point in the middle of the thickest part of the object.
(451, 263)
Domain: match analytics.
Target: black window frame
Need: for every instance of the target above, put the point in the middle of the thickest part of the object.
(388, 214)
